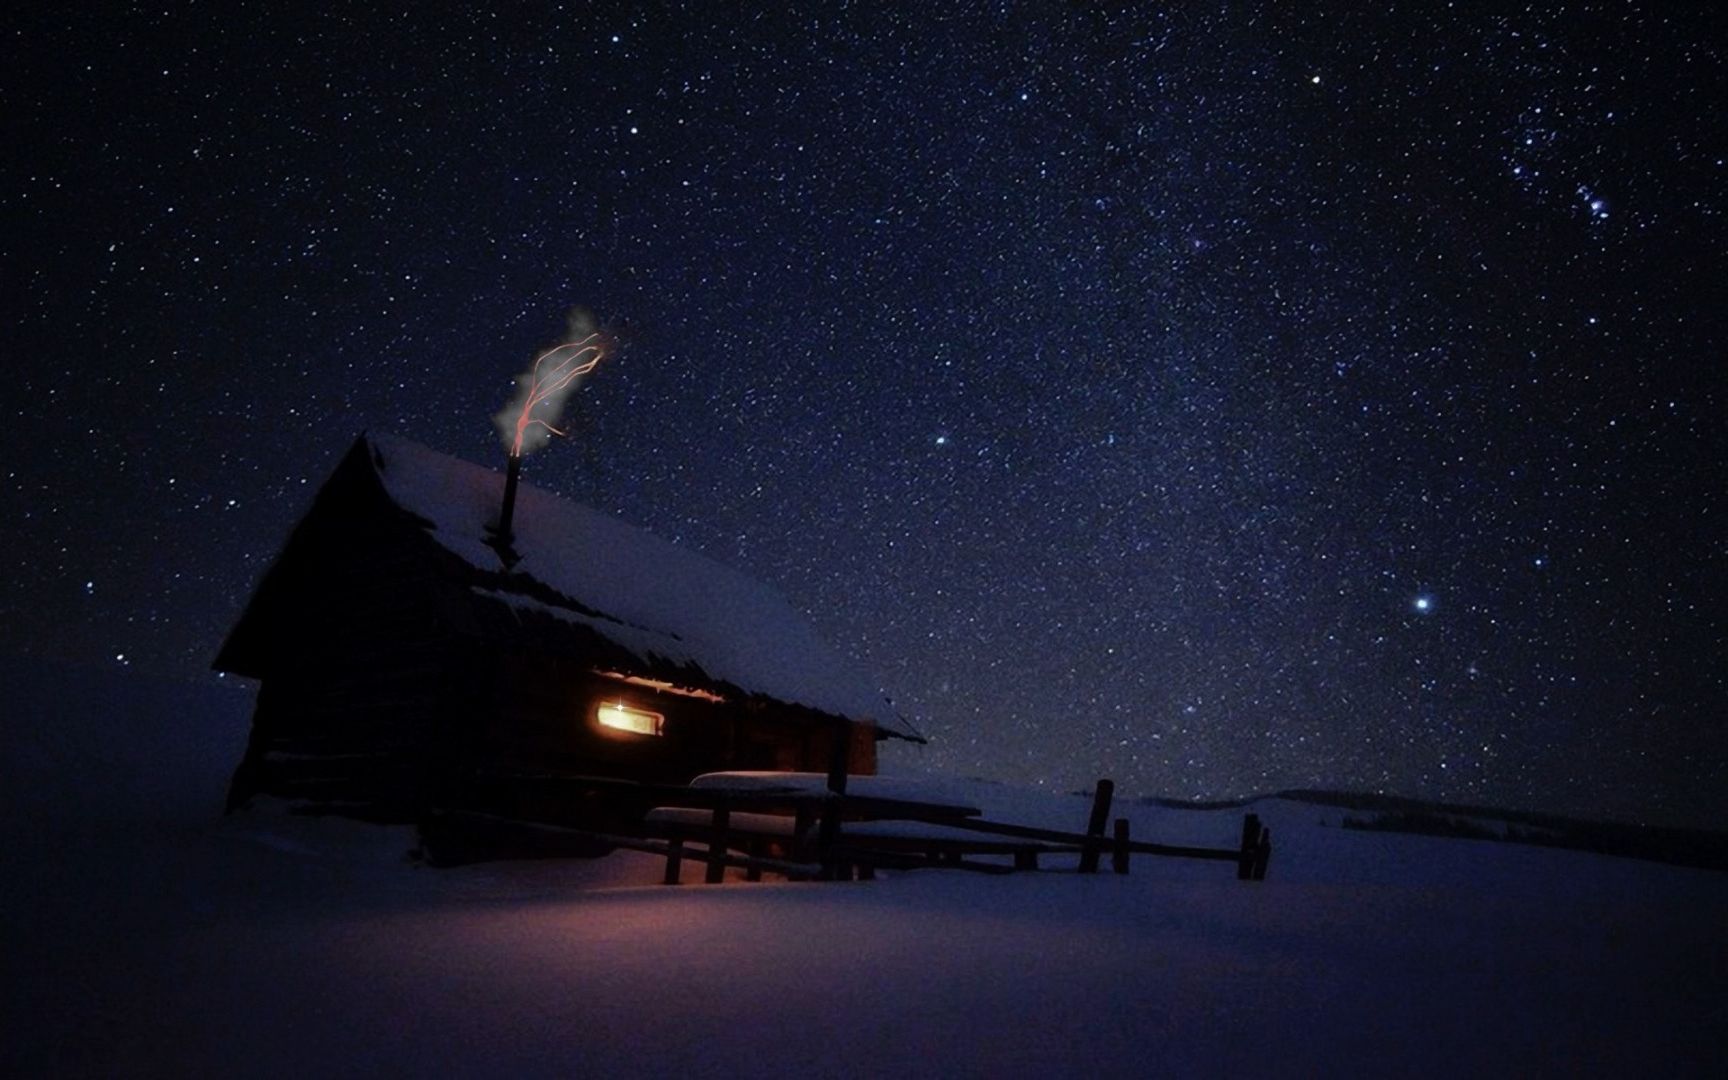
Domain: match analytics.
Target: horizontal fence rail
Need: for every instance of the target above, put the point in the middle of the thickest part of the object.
(833, 851)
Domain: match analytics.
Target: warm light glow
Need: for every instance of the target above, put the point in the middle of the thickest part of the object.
(662, 686)
(621, 717)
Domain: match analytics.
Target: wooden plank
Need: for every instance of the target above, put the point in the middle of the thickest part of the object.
(802, 822)
(717, 846)
(674, 861)
(1250, 842)
(906, 861)
(791, 798)
(1056, 836)
(935, 847)
(1119, 850)
(796, 871)
(1101, 796)
(871, 806)
(743, 821)
(828, 829)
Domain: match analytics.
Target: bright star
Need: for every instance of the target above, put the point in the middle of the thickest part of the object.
(1424, 604)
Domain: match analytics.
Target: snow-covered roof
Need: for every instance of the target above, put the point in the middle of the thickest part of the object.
(659, 601)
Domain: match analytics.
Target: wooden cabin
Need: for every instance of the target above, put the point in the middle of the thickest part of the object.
(404, 666)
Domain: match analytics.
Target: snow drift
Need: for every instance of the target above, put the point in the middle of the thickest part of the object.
(147, 936)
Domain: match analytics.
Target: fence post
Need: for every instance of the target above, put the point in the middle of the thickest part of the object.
(828, 832)
(674, 860)
(717, 846)
(1101, 796)
(1250, 845)
(1262, 854)
(1119, 855)
(803, 818)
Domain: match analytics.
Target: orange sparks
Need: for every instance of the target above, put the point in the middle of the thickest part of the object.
(574, 360)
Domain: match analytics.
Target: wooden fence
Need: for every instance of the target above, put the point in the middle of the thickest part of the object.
(800, 833)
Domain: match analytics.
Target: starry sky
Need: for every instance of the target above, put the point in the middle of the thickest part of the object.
(1221, 400)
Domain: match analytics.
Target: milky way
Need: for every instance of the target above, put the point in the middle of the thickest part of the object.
(1219, 401)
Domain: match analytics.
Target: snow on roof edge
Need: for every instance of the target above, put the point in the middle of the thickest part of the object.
(736, 629)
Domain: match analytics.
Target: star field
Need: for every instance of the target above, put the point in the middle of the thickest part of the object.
(1220, 401)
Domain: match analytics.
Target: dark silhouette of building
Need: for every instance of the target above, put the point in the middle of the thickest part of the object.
(404, 666)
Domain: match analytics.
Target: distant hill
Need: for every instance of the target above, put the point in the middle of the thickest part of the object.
(1393, 813)
(89, 748)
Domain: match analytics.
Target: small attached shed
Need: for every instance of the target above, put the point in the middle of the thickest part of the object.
(403, 666)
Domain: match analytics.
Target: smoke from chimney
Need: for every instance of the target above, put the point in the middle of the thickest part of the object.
(529, 421)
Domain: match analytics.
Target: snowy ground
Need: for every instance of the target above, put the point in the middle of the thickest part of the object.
(143, 936)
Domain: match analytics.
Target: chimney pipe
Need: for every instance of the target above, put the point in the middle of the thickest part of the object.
(512, 477)
(503, 538)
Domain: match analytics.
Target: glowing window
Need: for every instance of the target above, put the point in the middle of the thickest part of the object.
(621, 717)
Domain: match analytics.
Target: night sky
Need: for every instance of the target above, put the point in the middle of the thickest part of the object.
(1220, 401)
